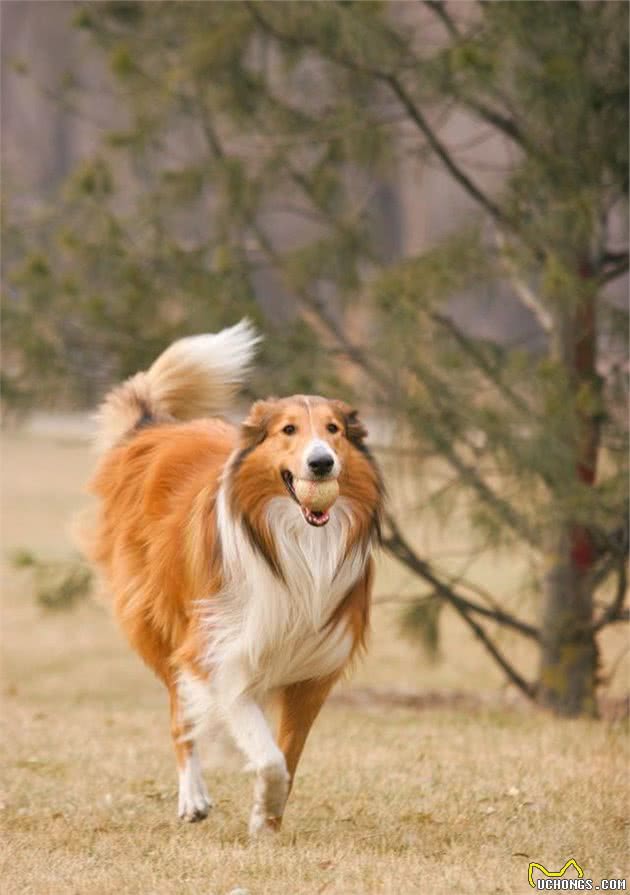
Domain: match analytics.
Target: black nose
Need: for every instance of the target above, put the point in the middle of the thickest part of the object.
(321, 463)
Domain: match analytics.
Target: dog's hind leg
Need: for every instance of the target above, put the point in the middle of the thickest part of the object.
(299, 706)
(194, 801)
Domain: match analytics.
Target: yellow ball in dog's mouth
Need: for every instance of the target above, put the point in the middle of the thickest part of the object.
(316, 496)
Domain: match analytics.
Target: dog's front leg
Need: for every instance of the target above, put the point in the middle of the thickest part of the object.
(252, 734)
(194, 801)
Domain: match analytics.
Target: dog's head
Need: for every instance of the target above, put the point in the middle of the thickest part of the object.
(302, 437)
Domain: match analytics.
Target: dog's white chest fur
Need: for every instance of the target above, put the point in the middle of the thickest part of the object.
(270, 633)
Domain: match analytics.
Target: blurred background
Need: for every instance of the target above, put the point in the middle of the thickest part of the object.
(424, 207)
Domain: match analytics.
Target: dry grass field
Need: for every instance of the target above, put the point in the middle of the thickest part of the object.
(456, 797)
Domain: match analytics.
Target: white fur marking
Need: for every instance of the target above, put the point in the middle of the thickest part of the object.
(194, 801)
(307, 404)
(270, 633)
(196, 703)
(196, 376)
(224, 356)
(264, 633)
(271, 791)
(252, 734)
(306, 472)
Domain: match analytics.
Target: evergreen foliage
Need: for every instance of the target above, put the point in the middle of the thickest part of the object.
(235, 113)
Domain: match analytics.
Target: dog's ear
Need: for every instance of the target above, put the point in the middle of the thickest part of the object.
(355, 430)
(254, 428)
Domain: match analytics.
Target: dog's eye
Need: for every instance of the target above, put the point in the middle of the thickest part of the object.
(332, 428)
(289, 429)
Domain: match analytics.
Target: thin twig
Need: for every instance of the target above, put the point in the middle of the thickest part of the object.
(442, 152)
(467, 345)
(398, 547)
(616, 612)
(396, 542)
(405, 100)
(523, 291)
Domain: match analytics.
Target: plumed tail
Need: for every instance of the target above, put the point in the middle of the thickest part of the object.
(196, 376)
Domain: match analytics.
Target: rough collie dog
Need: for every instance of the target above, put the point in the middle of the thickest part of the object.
(229, 589)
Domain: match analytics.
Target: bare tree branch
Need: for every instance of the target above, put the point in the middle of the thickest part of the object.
(458, 174)
(495, 613)
(501, 122)
(491, 372)
(438, 7)
(616, 611)
(445, 442)
(522, 290)
(615, 271)
(405, 100)
(503, 618)
(610, 257)
(399, 547)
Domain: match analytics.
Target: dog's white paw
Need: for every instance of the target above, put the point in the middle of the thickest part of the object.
(194, 801)
(262, 824)
(195, 809)
(270, 795)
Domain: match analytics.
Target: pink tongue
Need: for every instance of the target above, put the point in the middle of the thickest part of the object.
(314, 518)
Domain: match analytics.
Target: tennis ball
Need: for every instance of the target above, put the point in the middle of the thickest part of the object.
(316, 496)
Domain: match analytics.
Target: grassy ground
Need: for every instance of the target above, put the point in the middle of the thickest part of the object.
(388, 800)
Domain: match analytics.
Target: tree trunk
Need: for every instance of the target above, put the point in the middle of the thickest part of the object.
(568, 666)
(569, 659)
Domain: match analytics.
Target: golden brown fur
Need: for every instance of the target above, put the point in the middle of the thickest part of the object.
(159, 545)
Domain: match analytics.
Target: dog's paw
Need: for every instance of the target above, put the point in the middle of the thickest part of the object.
(194, 801)
(262, 824)
(192, 810)
(270, 795)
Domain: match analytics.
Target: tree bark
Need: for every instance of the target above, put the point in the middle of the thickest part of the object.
(569, 657)
(568, 666)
